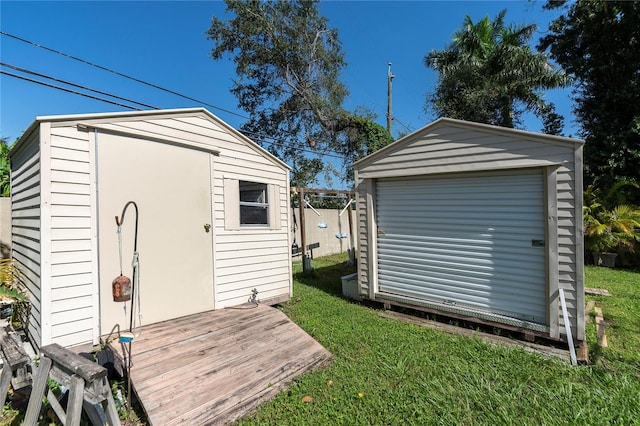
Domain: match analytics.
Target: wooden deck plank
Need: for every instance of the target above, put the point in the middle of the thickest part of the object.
(190, 350)
(232, 363)
(220, 391)
(228, 360)
(235, 405)
(156, 336)
(214, 367)
(208, 339)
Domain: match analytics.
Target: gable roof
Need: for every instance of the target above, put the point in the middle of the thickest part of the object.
(94, 118)
(468, 125)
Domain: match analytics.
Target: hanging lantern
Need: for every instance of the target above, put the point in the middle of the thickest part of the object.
(121, 289)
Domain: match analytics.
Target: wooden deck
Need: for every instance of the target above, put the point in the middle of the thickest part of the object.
(214, 367)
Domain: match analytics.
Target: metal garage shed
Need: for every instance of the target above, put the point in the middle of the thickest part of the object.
(213, 219)
(476, 221)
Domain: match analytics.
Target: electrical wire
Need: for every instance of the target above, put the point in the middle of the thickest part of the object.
(64, 89)
(251, 135)
(48, 77)
(137, 80)
(407, 128)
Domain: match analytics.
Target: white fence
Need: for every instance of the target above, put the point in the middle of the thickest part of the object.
(327, 228)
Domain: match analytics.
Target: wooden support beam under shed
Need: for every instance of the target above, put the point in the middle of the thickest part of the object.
(602, 336)
(582, 352)
(596, 291)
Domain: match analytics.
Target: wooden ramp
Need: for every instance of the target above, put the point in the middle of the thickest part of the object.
(214, 367)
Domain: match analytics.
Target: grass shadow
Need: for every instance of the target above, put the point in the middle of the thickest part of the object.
(326, 275)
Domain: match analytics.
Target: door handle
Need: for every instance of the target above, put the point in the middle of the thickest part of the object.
(207, 227)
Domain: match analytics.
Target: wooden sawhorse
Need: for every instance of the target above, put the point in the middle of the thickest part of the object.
(16, 364)
(87, 383)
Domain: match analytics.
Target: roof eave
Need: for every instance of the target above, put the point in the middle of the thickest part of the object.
(145, 113)
(472, 125)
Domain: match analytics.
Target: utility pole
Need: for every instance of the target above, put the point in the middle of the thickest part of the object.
(389, 115)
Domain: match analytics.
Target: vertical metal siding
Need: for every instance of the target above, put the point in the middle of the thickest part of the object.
(465, 241)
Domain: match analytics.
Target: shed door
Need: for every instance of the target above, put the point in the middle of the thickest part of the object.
(172, 188)
(473, 241)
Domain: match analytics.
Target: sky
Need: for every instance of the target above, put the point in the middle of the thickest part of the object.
(164, 43)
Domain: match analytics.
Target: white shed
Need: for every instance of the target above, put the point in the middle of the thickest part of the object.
(475, 221)
(213, 219)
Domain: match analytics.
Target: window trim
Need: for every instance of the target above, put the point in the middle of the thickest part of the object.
(231, 199)
(264, 188)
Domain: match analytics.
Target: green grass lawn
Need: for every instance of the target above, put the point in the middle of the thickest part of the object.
(621, 313)
(387, 372)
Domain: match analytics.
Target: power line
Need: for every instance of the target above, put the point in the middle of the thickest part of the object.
(251, 135)
(64, 89)
(402, 124)
(37, 74)
(137, 80)
(254, 135)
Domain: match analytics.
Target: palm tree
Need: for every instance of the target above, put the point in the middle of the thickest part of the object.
(609, 226)
(489, 73)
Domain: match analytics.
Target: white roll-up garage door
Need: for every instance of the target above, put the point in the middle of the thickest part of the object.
(471, 241)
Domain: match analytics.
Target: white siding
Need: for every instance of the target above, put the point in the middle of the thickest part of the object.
(451, 146)
(55, 224)
(241, 261)
(363, 191)
(25, 213)
(72, 277)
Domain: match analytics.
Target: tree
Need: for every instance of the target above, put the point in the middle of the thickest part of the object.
(490, 74)
(552, 122)
(361, 136)
(610, 225)
(288, 63)
(598, 43)
(5, 168)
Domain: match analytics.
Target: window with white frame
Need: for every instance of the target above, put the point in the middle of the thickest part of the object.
(254, 203)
